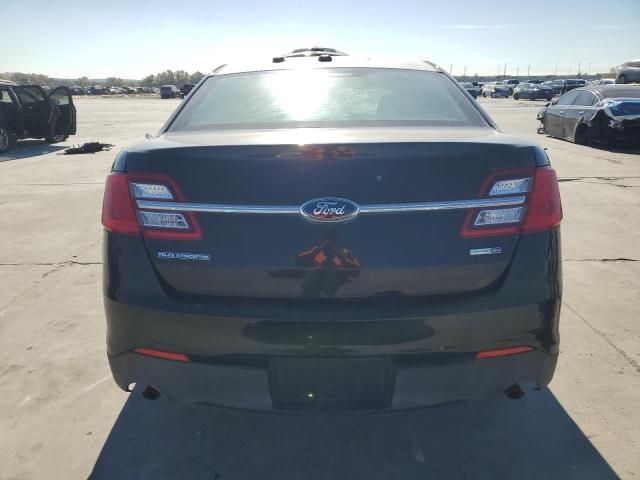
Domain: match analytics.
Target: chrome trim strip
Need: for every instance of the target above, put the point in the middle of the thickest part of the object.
(451, 205)
(364, 209)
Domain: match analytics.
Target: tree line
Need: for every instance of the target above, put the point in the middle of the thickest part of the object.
(168, 77)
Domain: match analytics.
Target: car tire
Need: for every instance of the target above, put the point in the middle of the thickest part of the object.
(56, 138)
(484, 95)
(516, 96)
(582, 135)
(6, 139)
(622, 79)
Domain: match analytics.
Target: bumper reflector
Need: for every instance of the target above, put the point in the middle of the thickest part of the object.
(179, 357)
(502, 352)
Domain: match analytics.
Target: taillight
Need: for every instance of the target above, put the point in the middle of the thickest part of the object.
(536, 205)
(545, 208)
(120, 214)
(118, 211)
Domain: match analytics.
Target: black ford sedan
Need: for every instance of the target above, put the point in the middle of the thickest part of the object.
(328, 233)
(599, 114)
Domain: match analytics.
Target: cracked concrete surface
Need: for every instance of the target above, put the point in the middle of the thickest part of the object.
(62, 414)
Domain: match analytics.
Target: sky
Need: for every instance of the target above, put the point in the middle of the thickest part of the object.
(131, 39)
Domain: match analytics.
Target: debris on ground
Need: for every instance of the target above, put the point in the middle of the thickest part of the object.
(89, 147)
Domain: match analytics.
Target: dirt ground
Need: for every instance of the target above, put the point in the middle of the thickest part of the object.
(62, 416)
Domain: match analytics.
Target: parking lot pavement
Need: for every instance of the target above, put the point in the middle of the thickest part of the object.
(64, 418)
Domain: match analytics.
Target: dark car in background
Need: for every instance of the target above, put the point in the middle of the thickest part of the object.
(185, 89)
(532, 91)
(600, 114)
(169, 91)
(27, 111)
(471, 88)
(331, 235)
(560, 87)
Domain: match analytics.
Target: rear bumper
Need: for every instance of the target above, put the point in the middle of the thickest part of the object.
(432, 382)
(424, 348)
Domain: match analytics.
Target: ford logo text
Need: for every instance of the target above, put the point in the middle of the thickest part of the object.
(329, 209)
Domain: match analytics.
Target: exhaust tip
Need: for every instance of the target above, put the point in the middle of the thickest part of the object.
(151, 393)
(514, 392)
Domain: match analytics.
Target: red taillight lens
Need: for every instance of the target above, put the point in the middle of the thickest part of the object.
(118, 211)
(120, 214)
(541, 210)
(545, 208)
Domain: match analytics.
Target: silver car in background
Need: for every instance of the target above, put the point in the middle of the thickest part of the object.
(628, 72)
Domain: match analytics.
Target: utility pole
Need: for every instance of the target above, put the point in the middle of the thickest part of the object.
(589, 69)
(505, 70)
(517, 71)
(528, 69)
(464, 75)
(498, 71)
(450, 69)
(579, 65)
(556, 74)
(569, 74)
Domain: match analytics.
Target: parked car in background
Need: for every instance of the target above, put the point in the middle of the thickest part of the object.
(605, 81)
(628, 72)
(496, 90)
(186, 88)
(264, 254)
(27, 111)
(469, 87)
(169, 91)
(533, 91)
(511, 83)
(604, 114)
(96, 90)
(560, 87)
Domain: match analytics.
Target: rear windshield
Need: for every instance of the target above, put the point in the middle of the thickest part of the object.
(339, 97)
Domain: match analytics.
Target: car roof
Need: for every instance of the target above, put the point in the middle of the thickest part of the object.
(613, 90)
(292, 63)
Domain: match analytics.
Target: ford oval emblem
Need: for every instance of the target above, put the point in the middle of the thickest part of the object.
(329, 209)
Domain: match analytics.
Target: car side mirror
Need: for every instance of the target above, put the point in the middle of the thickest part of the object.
(548, 104)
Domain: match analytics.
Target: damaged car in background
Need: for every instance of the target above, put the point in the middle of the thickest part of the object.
(599, 114)
(27, 111)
